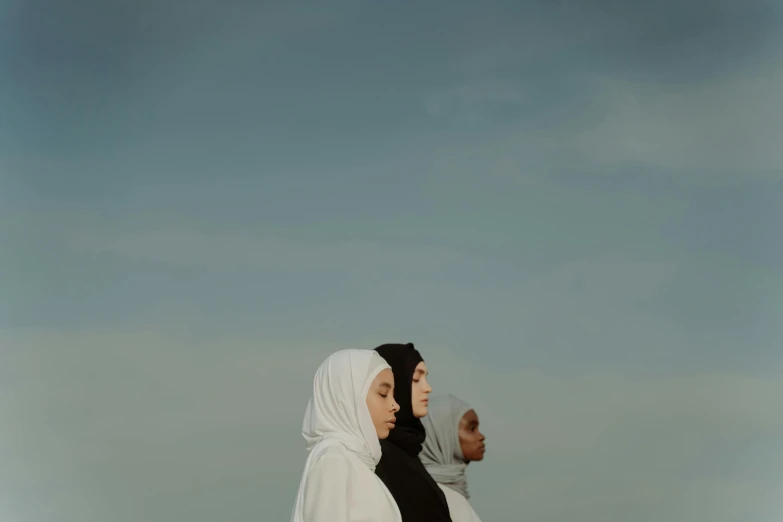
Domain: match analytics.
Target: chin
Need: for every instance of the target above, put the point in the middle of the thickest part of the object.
(422, 412)
(383, 434)
(477, 456)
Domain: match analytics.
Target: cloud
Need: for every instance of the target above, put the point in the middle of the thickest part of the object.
(665, 42)
(607, 86)
(727, 128)
(120, 424)
(480, 97)
(571, 296)
(226, 251)
(717, 133)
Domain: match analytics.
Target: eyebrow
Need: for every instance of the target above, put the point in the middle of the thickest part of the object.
(419, 371)
(385, 385)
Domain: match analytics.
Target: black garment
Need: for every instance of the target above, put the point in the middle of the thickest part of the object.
(416, 493)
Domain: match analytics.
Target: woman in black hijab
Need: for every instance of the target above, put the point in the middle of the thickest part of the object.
(413, 488)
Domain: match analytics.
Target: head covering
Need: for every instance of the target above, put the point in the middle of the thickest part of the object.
(415, 491)
(408, 435)
(442, 454)
(337, 411)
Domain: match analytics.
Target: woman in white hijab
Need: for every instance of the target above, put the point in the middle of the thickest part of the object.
(351, 408)
(453, 440)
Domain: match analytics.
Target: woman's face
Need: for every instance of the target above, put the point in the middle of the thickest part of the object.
(380, 402)
(420, 391)
(471, 440)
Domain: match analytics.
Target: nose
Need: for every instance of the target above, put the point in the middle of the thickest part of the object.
(481, 437)
(395, 406)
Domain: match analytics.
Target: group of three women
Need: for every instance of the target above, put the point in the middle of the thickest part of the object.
(381, 449)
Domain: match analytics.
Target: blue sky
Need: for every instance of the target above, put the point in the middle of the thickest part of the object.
(573, 209)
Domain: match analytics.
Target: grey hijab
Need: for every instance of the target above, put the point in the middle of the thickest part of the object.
(441, 453)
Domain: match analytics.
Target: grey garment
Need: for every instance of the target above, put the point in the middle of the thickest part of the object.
(441, 453)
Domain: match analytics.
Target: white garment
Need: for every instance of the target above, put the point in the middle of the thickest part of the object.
(339, 483)
(459, 507)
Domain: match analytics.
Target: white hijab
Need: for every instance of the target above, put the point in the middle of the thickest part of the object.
(442, 453)
(337, 411)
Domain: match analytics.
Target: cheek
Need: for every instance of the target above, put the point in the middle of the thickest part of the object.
(375, 408)
(467, 439)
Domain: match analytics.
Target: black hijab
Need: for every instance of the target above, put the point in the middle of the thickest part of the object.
(413, 488)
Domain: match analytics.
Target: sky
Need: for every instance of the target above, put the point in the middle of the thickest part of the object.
(573, 209)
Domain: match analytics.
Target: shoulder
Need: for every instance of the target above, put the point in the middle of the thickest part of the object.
(451, 495)
(459, 506)
(333, 457)
(391, 455)
(330, 451)
(329, 471)
(391, 459)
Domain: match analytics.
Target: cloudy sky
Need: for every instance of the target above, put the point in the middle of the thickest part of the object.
(574, 209)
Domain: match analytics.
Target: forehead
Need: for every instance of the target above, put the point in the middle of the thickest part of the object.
(421, 368)
(384, 377)
(470, 417)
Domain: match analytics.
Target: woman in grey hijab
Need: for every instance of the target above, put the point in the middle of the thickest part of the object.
(453, 441)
